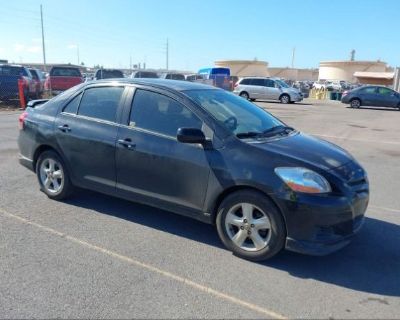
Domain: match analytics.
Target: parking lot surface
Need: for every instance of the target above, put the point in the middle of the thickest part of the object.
(94, 256)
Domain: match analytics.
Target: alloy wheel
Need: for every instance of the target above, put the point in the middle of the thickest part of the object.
(52, 176)
(248, 227)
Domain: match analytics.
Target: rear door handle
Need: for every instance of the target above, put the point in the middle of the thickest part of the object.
(64, 128)
(127, 143)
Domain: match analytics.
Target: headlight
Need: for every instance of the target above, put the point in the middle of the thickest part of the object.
(303, 180)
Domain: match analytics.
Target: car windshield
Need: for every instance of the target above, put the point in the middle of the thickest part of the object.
(238, 115)
(283, 84)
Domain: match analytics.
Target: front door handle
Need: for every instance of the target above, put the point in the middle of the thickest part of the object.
(64, 128)
(127, 143)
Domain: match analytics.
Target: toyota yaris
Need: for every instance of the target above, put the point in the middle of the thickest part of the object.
(201, 152)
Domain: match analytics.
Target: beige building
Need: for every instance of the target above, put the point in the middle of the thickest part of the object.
(345, 70)
(294, 74)
(245, 68)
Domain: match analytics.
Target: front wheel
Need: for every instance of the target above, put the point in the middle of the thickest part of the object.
(285, 99)
(250, 225)
(245, 95)
(53, 176)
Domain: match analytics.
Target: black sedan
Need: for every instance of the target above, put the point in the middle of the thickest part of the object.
(375, 96)
(201, 152)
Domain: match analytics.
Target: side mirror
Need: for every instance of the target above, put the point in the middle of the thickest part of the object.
(191, 135)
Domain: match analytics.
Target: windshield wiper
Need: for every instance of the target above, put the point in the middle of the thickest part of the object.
(276, 130)
(250, 134)
(266, 133)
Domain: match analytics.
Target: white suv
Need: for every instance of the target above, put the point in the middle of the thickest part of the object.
(257, 88)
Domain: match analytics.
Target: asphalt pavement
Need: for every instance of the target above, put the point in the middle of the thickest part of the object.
(95, 256)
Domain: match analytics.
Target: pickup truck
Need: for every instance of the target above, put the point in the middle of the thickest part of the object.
(9, 76)
(62, 78)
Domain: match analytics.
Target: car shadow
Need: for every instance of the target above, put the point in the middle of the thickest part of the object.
(371, 263)
(376, 108)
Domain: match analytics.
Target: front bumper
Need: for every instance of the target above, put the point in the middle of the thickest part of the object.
(296, 98)
(323, 225)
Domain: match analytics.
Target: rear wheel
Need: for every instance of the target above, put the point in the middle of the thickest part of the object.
(53, 176)
(250, 226)
(355, 103)
(285, 99)
(245, 95)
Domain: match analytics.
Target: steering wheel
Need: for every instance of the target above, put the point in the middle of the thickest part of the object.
(231, 123)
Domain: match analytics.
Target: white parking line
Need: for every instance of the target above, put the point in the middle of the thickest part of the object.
(354, 139)
(167, 274)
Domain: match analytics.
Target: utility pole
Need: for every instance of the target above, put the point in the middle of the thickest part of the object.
(167, 54)
(293, 54)
(44, 49)
(77, 53)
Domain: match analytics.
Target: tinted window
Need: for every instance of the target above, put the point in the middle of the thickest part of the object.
(236, 114)
(10, 71)
(108, 74)
(368, 90)
(269, 83)
(158, 113)
(34, 74)
(385, 91)
(145, 74)
(175, 76)
(101, 103)
(65, 72)
(257, 82)
(72, 106)
(245, 81)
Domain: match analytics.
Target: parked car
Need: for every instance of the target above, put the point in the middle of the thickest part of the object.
(108, 74)
(194, 77)
(376, 96)
(333, 85)
(320, 84)
(144, 74)
(173, 76)
(258, 88)
(9, 77)
(38, 79)
(62, 78)
(201, 152)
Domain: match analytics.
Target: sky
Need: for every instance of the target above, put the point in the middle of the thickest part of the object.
(115, 32)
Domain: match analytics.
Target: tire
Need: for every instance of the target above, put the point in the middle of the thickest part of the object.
(355, 103)
(244, 95)
(50, 167)
(264, 224)
(285, 99)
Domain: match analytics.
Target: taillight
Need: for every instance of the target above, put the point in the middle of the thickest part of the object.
(21, 120)
(236, 85)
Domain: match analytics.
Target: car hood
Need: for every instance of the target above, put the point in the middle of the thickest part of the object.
(291, 90)
(309, 150)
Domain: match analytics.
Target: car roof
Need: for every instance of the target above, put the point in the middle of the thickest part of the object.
(177, 85)
(11, 65)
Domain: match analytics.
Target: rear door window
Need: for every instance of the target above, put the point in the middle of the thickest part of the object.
(245, 81)
(72, 106)
(101, 103)
(369, 90)
(258, 82)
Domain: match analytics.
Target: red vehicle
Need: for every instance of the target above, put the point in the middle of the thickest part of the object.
(63, 78)
(38, 81)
